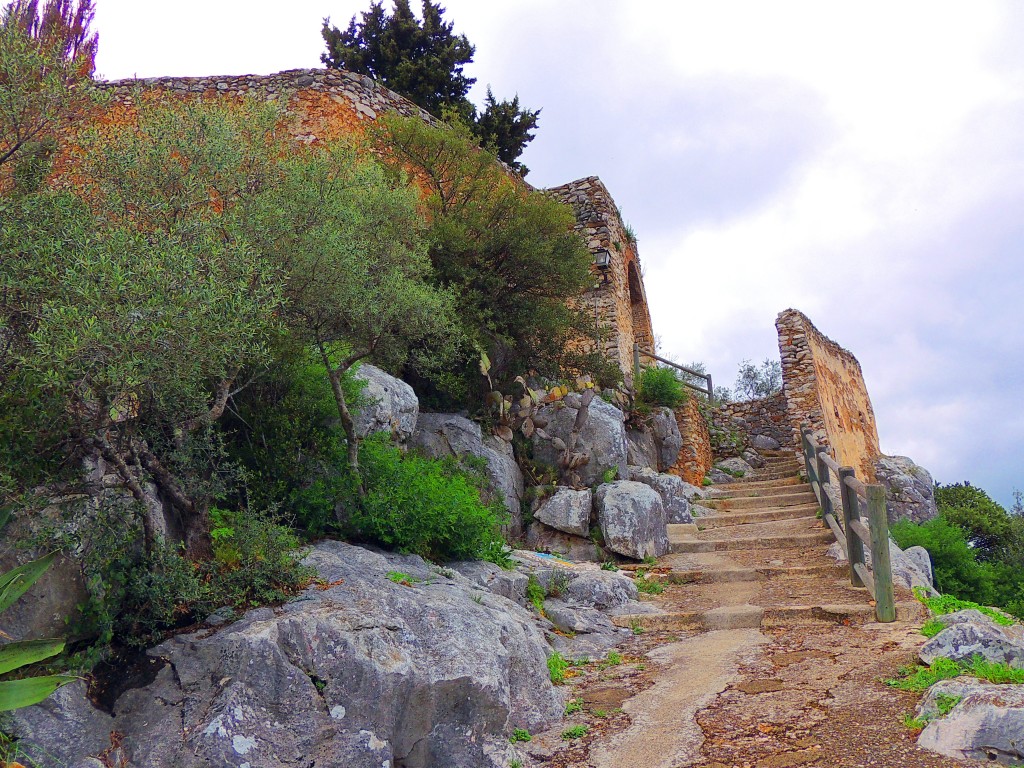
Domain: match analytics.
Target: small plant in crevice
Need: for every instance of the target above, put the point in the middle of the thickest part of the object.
(573, 706)
(535, 594)
(945, 703)
(557, 667)
(648, 586)
(520, 735)
(932, 627)
(576, 732)
(398, 577)
(914, 723)
(609, 565)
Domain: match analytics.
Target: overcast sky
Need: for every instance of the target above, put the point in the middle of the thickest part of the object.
(861, 162)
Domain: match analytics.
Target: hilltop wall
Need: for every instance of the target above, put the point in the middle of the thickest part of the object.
(824, 388)
(768, 417)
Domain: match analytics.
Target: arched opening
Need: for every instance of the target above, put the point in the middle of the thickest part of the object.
(641, 316)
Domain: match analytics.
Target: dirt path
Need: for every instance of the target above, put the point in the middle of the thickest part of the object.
(764, 657)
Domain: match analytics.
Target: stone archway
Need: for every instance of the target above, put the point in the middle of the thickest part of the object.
(641, 315)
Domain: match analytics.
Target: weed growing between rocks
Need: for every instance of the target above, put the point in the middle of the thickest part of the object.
(557, 667)
(940, 605)
(660, 387)
(520, 735)
(919, 678)
(932, 627)
(575, 732)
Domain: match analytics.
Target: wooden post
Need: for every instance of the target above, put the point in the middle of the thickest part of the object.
(851, 512)
(823, 481)
(636, 365)
(885, 599)
(805, 449)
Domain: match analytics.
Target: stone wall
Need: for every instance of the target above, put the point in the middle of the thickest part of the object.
(327, 104)
(824, 388)
(768, 417)
(695, 456)
(618, 300)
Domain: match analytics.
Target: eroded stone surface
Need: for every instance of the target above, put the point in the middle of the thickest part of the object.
(632, 519)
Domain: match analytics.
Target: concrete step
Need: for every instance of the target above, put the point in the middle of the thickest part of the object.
(756, 617)
(758, 516)
(784, 541)
(733, 575)
(767, 501)
(767, 490)
(757, 484)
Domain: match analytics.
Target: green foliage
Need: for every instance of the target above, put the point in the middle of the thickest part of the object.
(998, 672)
(919, 678)
(914, 723)
(504, 128)
(661, 387)
(535, 593)
(421, 506)
(940, 605)
(647, 585)
(609, 565)
(955, 564)
(575, 732)
(557, 666)
(613, 659)
(520, 735)
(509, 255)
(758, 382)
(932, 627)
(610, 475)
(573, 706)
(398, 577)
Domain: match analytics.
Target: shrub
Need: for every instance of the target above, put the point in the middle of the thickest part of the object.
(955, 563)
(421, 506)
(661, 387)
(520, 734)
(557, 666)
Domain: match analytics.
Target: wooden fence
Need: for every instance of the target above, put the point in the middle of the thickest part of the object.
(709, 390)
(848, 525)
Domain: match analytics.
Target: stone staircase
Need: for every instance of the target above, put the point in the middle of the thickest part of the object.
(760, 560)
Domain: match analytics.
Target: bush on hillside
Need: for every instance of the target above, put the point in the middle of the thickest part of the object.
(422, 506)
(661, 387)
(954, 563)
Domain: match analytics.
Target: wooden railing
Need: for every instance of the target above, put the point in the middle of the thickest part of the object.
(849, 527)
(709, 390)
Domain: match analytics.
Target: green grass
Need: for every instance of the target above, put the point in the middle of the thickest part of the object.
(573, 706)
(609, 565)
(520, 734)
(919, 678)
(945, 703)
(994, 671)
(932, 627)
(535, 593)
(648, 586)
(943, 604)
(613, 659)
(576, 732)
(636, 627)
(557, 666)
(600, 713)
(914, 723)
(402, 578)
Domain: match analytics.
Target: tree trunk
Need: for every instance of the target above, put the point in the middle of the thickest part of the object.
(347, 422)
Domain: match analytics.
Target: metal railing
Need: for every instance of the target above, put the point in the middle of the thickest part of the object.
(853, 535)
(709, 391)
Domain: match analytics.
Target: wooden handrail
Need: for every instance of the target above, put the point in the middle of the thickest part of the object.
(709, 391)
(853, 534)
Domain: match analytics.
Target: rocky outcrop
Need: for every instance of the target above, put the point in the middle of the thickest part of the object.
(390, 405)
(971, 633)
(674, 492)
(363, 673)
(438, 435)
(567, 510)
(910, 490)
(640, 449)
(735, 466)
(908, 571)
(602, 439)
(986, 724)
(542, 538)
(667, 439)
(632, 519)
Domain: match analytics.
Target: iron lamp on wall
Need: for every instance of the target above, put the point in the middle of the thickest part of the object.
(603, 262)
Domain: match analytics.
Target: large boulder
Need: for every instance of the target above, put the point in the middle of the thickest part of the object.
(735, 466)
(641, 449)
(971, 633)
(65, 727)
(987, 724)
(907, 570)
(602, 439)
(667, 438)
(632, 519)
(439, 435)
(675, 493)
(763, 443)
(567, 510)
(390, 405)
(364, 673)
(543, 538)
(910, 490)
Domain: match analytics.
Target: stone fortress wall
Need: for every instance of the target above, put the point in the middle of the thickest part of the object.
(768, 417)
(824, 388)
(328, 104)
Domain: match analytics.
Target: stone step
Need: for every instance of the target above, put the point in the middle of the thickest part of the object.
(757, 617)
(767, 501)
(732, 575)
(772, 488)
(758, 516)
(784, 541)
(757, 484)
(777, 461)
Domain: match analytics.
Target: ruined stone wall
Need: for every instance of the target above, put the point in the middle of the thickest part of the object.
(619, 300)
(824, 388)
(695, 456)
(768, 417)
(327, 104)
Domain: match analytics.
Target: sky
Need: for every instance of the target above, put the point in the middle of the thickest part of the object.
(861, 162)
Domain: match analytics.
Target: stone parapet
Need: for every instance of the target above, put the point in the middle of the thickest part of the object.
(768, 417)
(695, 456)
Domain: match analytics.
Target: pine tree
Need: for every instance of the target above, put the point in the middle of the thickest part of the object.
(505, 129)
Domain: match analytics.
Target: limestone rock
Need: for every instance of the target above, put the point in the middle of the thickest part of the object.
(922, 561)
(736, 466)
(65, 727)
(667, 438)
(567, 510)
(542, 538)
(753, 459)
(439, 435)
(391, 405)
(986, 725)
(508, 584)
(603, 437)
(673, 491)
(910, 489)
(641, 449)
(763, 443)
(602, 589)
(970, 633)
(632, 519)
(718, 477)
(906, 570)
(362, 674)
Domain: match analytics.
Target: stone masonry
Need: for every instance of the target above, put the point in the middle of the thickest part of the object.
(824, 388)
(768, 417)
(695, 456)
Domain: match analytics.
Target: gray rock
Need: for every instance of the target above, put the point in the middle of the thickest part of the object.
(89, 762)
(590, 633)
(736, 466)
(65, 727)
(602, 589)
(986, 725)
(922, 561)
(753, 459)
(763, 443)
(603, 438)
(641, 449)
(391, 405)
(698, 510)
(577, 619)
(971, 635)
(673, 492)
(508, 584)
(632, 519)
(567, 510)
(363, 674)
(667, 438)
(542, 538)
(910, 489)
(718, 477)
(439, 435)
(906, 570)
